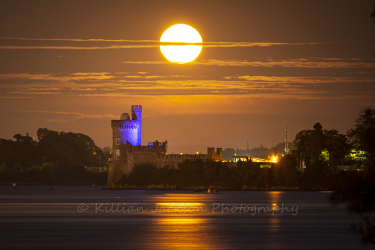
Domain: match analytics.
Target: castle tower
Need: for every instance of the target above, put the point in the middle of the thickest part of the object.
(137, 115)
(219, 153)
(210, 153)
(126, 131)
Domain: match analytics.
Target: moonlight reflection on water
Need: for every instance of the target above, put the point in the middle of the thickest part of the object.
(52, 219)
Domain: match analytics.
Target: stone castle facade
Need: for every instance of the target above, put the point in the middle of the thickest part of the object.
(127, 148)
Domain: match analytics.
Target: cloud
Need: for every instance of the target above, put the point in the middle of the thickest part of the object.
(69, 116)
(75, 78)
(268, 63)
(249, 44)
(276, 87)
(34, 93)
(298, 79)
(81, 48)
(293, 63)
(58, 120)
(156, 77)
(13, 97)
(106, 84)
(146, 44)
(58, 77)
(147, 62)
(75, 40)
(25, 76)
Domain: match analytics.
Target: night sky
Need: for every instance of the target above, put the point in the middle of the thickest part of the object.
(75, 65)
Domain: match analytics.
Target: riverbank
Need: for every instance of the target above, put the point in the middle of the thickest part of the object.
(49, 184)
(162, 187)
(244, 188)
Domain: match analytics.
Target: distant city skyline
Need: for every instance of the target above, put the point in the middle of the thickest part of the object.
(75, 66)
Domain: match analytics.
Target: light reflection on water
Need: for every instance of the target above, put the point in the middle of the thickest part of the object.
(44, 219)
(184, 233)
(178, 230)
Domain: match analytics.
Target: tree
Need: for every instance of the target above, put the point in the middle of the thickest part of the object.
(318, 145)
(241, 152)
(228, 153)
(310, 144)
(22, 151)
(337, 145)
(69, 148)
(286, 173)
(107, 152)
(361, 196)
(363, 134)
(143, 174)
(211, 172)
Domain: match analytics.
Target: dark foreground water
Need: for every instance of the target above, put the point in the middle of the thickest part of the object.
(84, 218)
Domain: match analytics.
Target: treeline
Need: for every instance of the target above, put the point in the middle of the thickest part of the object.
(55, 158)
(321, 154)
(205, 174)
(283, 175)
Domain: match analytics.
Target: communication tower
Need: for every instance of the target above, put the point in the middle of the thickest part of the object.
(286, 140)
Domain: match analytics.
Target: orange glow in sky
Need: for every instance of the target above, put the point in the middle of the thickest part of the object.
(264, 66)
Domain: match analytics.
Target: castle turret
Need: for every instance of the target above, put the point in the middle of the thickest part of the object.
(137, 115)
(215, 157)
(219, 153)
(210, 153)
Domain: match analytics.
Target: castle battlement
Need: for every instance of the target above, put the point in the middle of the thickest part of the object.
(183, 156)
(137, 108)
(160, 147)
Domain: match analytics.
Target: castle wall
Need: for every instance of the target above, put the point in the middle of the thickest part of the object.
(160, 158)
(173, 160)
(155, 154)
(137, 157)
(115, 171)
(129, 131)
(126, 131)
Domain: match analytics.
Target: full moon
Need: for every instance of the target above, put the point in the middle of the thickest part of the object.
(181, 33)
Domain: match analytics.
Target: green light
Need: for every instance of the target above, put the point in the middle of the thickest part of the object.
(324, 155)
(357, 155)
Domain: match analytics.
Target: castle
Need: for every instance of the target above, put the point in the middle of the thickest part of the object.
(128, 150)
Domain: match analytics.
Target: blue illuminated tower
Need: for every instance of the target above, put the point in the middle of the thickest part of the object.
(126, 130)
(137, 115)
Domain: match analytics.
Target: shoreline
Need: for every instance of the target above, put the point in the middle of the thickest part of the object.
(166, 188)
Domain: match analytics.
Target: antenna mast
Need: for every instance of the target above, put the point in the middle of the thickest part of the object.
(286, 140)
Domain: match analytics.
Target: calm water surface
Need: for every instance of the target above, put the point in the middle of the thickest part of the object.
(34, 217)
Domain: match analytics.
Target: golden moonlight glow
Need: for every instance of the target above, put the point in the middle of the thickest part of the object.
(181, 33)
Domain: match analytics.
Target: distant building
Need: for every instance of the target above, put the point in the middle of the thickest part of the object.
(128, 150)
(262, 163)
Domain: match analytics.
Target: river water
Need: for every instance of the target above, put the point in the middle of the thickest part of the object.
(35, 217)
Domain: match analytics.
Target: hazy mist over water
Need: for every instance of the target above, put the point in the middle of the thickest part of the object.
(34, 217)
